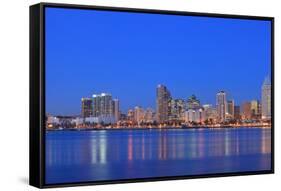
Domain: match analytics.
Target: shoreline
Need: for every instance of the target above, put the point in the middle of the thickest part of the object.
(159, 128)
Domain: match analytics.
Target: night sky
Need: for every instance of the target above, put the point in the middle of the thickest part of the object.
(129, 54)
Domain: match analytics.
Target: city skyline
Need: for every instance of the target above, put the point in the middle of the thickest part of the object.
(102, 110)
(186, 99)
(166, 105)
(187, 54)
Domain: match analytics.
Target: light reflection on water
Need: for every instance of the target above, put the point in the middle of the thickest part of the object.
(121, 154)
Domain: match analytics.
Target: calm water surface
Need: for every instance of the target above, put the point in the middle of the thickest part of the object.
(78, 156)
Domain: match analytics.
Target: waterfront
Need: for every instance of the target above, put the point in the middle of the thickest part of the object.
(78, 156)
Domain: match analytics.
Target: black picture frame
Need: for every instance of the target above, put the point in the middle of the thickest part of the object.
(37, 93)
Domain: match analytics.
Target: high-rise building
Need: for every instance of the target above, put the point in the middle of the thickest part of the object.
(177, 107)
(210, 113)
(266, 99)
(115, 109)
(148, 116)
(246, 110)
(131, 115)
(192, 102)
(162, 103)
(237, 115)
(230, 108)
(86, 107)
(255, 109)
(139, 114)
(221, 106)
(207, 110)
(103, 105)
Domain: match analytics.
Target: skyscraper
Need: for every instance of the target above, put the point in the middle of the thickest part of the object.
(102, 105)
(139, 114)
(115, 109)
(266, 99)
(237, 115)
(221, 105)
(162, 103)
(246, 110)
(255, 109)
(230, 108)
(86, 107)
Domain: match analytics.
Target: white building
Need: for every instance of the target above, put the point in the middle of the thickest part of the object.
(194, 115)
(266, 99)
(78, 121)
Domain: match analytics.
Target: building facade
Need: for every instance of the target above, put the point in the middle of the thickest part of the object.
(266, 99)
(86, 107)
(177, 108)
(116, 109)
(102, 105)
(163, 98)
(139, 115)
(210, 113)
(255, 109)
(131, 115)
(194, 115)
(148, 115)
(246, 110)
(192, 102)
(237, 115)
(230, 109)
(221, 105)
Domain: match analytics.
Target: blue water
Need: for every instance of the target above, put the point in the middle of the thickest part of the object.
(79, 156)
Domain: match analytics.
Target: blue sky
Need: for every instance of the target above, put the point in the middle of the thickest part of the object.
(129, 54)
